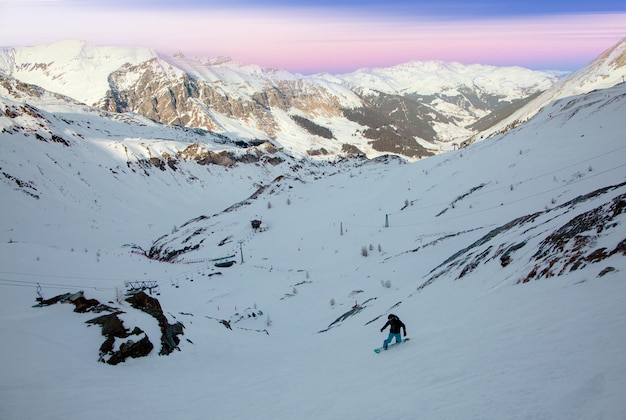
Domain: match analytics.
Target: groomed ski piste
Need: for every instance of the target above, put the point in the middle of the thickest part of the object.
(527, 336)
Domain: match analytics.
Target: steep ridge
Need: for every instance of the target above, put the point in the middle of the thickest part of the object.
(607, 70)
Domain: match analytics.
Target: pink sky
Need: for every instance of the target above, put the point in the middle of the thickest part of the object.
(318, 40)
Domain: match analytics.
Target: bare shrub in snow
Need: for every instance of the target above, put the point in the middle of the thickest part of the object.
(364, 251)
(119, 296)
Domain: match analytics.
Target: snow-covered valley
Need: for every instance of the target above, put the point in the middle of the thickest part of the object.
(504, 259)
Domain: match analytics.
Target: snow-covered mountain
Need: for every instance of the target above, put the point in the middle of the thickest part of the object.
(73, 68)
(607, 70)
(505, 260)
(414, 110)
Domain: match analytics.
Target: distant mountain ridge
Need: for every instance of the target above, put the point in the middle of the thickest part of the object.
(607, 70)
(414, 110)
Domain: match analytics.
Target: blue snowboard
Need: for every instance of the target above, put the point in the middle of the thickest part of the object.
(379, 349)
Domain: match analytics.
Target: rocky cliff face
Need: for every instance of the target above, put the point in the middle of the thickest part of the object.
(413, 126)
(177, 98)
(412, 110)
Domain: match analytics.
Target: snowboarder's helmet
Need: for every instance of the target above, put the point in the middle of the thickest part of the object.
(391, 316)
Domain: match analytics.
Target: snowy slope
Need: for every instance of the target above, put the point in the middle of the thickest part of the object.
(74, 68)
(484, 343)
(607, 70)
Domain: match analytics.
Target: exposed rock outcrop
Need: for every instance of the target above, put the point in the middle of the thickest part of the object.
(112, 328)
(568, 248)
(169, 332)
(135, 343)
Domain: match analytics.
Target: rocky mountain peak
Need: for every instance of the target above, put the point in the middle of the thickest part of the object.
(413, 110)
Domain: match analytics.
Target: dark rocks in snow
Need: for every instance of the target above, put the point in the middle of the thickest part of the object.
(469, 267)
(169, 332)
(606, 270)
(353, 311)
(81, 304)
(505, 259)
(132, 349)
(112, 328)
(27, 187)
(255, 153)
(111, 325)
(570, 247)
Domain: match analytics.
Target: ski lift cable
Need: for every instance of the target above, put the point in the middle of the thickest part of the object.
(490, 208)
(479, 194)
(34, 283)
(534, 195)
(509, 202)
(23, 283)
(61, 276)
(164, 277)
(57, 276)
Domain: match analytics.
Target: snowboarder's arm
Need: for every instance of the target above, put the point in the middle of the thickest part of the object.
(384, 326)
(404, 329)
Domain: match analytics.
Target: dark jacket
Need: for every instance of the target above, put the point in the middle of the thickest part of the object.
(395, 324)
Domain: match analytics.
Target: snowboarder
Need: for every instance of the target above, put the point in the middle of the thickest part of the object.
(394, 332)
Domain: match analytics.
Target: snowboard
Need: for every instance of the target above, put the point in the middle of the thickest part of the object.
(379, 349)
